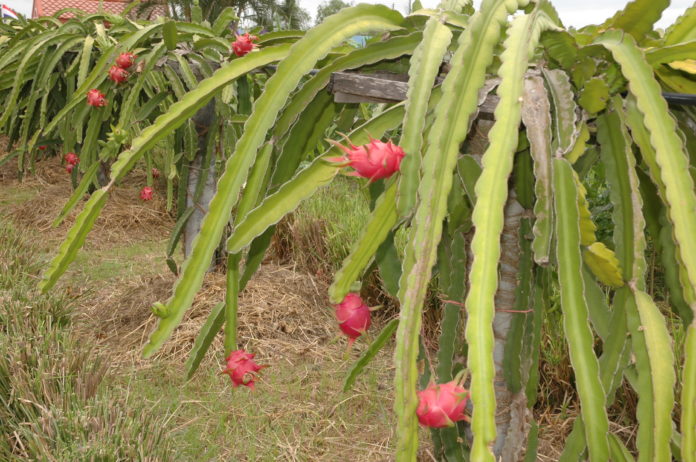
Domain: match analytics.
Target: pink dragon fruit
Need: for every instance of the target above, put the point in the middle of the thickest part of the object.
(243, 44)
(96, 98)
(118, 74)
(353, 317)
(125, 60)
(242, 368)
(69, 168)
(71, 158)
(374, 161)
(147, 193)
(42, 148)
(440, 405)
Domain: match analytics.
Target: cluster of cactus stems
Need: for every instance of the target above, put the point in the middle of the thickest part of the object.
(495, 212)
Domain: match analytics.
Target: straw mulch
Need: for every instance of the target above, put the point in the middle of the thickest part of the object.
(283, 313)
(124, 218)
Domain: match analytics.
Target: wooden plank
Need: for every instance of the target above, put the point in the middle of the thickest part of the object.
(368, 87)
(359, 88)
(340, 97)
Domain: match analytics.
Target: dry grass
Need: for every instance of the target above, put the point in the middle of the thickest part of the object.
(556, 425)
(281, 311)
(38, 199)
(283, 318)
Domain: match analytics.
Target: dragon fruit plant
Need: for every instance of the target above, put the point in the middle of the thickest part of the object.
(495, 212)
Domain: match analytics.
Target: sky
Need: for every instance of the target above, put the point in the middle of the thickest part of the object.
(573, 12)
(20, 6)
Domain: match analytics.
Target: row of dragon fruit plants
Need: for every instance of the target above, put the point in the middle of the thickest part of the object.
(495, 213)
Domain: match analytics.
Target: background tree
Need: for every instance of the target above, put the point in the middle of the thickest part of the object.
(290, 15)
(330, 7)
(268, 14)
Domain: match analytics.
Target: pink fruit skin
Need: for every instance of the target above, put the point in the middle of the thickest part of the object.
(69, 168)
(71, 158)
(440, 405)
(96, 98)
(353, 316)
(243, 44)
(125, 60)
(241, 368)
(375, 160)
(118, 74)
(146, 193)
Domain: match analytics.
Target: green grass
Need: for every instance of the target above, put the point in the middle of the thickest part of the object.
(119, 261)
(320, 234)
(16, 195)
(53, 405)
(296, 412)
(325, 226)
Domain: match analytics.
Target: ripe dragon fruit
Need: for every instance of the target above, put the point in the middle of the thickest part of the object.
(96, 98)
(42, 148)
(71, 158)
(155, 172)
(440, 405)
(125, 60)
(69, 168)
(353, 317)
(147, 193)
(241, 368)
(243, 44)
(118, 75)
(374, 160)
